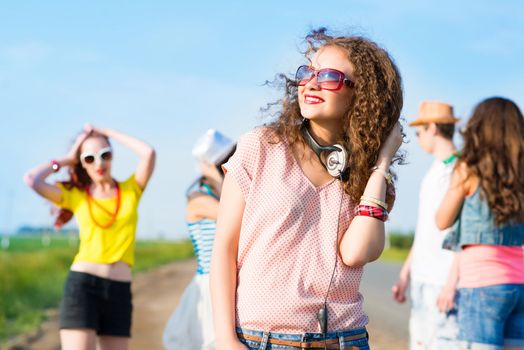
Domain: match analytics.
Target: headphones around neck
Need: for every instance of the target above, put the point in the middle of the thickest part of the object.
(336, 160)
(336, 164)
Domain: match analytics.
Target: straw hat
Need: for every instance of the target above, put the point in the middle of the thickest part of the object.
(434, 112)
(212, 147)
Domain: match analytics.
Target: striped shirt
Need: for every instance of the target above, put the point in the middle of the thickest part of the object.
(202, 233)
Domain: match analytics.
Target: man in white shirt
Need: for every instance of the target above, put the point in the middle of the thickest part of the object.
(427, 265)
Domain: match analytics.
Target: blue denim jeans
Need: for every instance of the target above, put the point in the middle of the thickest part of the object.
(491, 317)
(362, 343)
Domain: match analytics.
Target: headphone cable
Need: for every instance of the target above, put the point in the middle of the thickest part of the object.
(323, 316)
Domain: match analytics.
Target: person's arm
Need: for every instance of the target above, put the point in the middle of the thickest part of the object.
(36, 177)
(145, 152)
(399, 289)
(446, 297)
(202, 206)
(452, 202)
(223, 278)
(363, 241)
(213, 176)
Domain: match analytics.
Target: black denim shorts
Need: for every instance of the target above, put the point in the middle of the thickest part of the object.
(97, 303)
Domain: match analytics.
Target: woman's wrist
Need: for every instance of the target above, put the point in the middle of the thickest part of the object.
(404, 274)
(56, 164)
(383, 163)
(384, 173)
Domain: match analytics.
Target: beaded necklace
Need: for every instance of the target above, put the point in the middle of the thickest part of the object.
(91, 200)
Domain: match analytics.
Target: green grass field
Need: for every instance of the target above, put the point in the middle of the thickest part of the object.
(399, 245)
(394, 254)
(33, 270)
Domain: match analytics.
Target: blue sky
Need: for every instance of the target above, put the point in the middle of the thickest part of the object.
(165, 71)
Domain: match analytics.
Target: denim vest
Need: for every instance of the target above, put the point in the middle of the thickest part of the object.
(476, 225)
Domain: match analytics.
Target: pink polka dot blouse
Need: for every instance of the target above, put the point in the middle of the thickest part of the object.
(287, 245)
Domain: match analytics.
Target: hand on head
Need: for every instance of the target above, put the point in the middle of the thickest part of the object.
(80, 138)
(392, 143)
(87, 131)
(89, 128)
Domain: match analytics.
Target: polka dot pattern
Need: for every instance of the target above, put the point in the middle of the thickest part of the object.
(287, 246)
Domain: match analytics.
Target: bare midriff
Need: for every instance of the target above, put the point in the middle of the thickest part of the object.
(118, 271)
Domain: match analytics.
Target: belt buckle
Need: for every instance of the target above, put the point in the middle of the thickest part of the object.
(318, 344)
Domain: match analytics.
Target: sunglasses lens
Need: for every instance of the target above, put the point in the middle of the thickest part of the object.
(303, 75)
(108, 155)
(329, 79)
(89, 159)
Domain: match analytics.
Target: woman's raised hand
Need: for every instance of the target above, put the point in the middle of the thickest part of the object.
(72, 154)
(89, 128)
(392, 143)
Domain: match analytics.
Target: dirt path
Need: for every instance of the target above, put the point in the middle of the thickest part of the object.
(155, 296)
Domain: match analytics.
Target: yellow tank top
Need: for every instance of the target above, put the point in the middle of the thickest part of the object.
(105, 245)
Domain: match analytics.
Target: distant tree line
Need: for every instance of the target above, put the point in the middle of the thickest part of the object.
(39, 230)
(401, 240)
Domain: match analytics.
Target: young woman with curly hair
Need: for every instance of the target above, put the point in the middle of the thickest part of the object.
(97, 306)
(295, 226)
(486, 202)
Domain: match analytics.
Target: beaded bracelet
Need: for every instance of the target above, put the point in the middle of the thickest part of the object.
(376, 201)
(371, 211)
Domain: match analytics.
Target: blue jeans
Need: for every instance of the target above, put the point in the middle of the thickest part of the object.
(491, 317)
(362, 343)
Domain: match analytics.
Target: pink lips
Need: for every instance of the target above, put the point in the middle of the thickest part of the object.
(312, 100)
(100, 171)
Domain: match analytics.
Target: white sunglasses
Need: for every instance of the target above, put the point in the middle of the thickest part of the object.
(104, 155)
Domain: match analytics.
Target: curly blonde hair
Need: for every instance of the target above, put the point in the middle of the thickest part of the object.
(374, 109)
(494, 152)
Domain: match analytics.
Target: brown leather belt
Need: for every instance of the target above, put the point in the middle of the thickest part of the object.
(315, 344)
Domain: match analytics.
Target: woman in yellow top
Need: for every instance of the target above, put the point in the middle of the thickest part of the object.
(97, 293)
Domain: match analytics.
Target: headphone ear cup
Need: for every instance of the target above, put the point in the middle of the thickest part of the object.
(336, 161)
